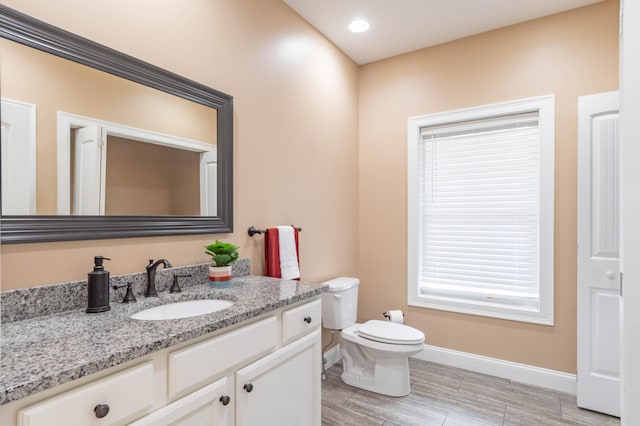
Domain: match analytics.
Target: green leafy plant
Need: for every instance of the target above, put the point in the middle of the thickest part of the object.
(222, 254)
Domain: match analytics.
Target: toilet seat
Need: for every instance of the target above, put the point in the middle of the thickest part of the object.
(390, 332)
(352, 334)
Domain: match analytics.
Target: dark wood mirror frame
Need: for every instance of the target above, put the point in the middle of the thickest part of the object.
(29, 31)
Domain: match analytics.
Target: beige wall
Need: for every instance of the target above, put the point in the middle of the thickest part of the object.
(570, 54)
(145, 179)
(295, 124)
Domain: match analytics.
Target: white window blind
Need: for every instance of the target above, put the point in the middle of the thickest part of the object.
(480, 202)
(480, 218)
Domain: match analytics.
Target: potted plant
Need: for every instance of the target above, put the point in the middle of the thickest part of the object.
(223, 256)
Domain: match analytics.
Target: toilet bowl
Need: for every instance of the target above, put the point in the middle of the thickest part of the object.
(375, 354)
(379, 363)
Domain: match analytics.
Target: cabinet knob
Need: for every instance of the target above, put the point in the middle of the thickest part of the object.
(225, 399)
(307, 320)
(248, 387)
(101, 410)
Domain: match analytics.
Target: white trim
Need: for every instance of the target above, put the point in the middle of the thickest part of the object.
(545, 106)
(68, 121)
(629, 207)
(523, 373)
(208, 183)
(29, 170)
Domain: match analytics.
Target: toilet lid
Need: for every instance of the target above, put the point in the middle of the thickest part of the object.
(390, 332)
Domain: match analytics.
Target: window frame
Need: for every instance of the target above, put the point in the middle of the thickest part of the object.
(545, 107)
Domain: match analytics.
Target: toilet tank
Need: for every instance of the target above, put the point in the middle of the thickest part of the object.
(340, 303)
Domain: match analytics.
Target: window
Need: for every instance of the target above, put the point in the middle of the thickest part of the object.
(480, 202)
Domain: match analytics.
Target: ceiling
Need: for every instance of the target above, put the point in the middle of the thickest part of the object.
(400, 26)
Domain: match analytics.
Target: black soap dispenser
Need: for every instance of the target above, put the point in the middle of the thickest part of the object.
(98, 287)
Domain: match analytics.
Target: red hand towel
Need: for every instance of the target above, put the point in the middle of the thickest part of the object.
(272, 253)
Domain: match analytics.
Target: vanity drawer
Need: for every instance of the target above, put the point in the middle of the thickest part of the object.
(124, 393)
(198, 364)
(300, 320)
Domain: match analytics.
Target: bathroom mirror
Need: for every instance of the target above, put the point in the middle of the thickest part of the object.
(168, 128)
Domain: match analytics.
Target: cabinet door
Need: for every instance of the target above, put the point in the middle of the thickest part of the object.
(213, 405)
(282, 388)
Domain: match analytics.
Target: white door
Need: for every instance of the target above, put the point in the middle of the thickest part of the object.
(283, 388)
(209, 183)
(89, 171)
(19, 145)
(598, 254)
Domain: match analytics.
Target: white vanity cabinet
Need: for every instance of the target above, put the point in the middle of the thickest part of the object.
(282, 388)
(264, 373)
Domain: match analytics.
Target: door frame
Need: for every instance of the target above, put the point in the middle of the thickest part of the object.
(630, 205)
(67, 122)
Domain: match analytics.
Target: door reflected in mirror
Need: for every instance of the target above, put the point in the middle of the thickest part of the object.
(140, 179)
(79, 141)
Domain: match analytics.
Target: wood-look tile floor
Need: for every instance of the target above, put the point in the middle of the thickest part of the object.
(448, 396)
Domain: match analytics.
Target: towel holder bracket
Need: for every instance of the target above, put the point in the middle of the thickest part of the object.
(253, 231)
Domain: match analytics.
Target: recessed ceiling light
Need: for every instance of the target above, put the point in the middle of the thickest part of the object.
(359, 26)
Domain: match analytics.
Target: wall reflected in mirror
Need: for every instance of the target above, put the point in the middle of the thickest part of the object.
(141, 179)
(79, 141)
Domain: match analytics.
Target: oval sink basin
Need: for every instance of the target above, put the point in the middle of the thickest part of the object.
(190, 308)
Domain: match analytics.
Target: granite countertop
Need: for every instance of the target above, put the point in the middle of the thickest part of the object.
(43, 352)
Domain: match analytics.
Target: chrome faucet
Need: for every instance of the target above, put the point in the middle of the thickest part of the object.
(151, 276)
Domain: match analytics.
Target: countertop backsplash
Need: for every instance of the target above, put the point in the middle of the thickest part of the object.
(25, 303)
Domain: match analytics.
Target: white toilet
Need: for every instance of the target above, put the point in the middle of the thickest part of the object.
(375, 354)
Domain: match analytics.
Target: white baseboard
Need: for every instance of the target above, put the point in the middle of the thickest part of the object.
(551, 379)
(332, 356)
(523, 373)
